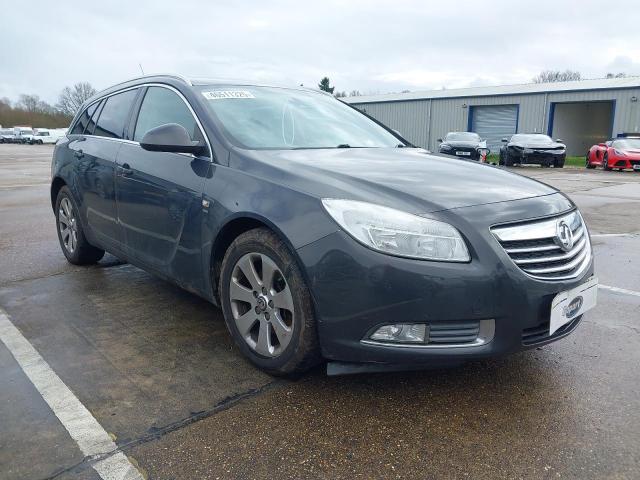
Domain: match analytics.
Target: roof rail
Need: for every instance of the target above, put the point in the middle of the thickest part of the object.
(172, 75)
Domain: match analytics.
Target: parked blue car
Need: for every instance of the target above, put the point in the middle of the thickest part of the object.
(321, 233)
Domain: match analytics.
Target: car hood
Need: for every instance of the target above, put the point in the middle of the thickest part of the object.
(462, 144)
(538, 146)
(406, 178)
(630, 151)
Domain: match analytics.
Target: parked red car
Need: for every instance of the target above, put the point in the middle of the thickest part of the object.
(620, 153)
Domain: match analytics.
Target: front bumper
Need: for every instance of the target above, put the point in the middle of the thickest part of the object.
(542, 157)
(626, 163)
(462, 152)
(355, 290)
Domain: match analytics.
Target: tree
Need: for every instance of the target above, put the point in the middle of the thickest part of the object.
(71, 98)
(616, 75)
(28, 102)
(354, 93)
(549, 76)
(324, 85)
(341, 94)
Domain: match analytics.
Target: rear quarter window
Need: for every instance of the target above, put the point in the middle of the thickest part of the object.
(83, 121)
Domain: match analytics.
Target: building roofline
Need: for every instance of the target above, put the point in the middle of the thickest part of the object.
(501, 90)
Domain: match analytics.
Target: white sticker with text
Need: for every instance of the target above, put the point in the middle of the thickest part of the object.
(222, 94)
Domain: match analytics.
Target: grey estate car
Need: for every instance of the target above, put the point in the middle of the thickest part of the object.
(322, 234)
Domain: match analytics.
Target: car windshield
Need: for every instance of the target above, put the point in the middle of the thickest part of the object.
(535, 138)
(627, 144)
(280, 118)
(462, 137)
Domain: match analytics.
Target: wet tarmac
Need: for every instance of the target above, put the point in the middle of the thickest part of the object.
(156, 368)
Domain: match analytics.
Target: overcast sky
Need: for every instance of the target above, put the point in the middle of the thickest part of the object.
(365, 45)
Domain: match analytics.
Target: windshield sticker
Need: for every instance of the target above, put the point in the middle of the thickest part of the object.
(222, 94)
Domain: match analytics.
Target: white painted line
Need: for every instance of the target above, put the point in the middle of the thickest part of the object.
(92, 439)
(25, 185)
(624, 291)
(615, 234)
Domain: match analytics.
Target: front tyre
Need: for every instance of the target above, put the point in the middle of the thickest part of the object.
(508, 161)
(605, 163)
(74, 245)
(267, 305)
(588, 164)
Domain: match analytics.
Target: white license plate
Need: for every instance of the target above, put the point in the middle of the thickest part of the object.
(566, 306)
(466, 154)
(636, 167)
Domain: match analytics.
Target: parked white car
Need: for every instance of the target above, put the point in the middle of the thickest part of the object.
(46, 135)
(6, 135)
(22, 134)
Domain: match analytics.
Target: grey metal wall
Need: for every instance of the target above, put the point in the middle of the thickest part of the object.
(422, 122)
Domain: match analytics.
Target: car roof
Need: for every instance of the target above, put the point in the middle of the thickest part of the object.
(171, 78)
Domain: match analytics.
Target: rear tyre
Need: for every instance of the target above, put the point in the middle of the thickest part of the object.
(74, 244)
(267, 305)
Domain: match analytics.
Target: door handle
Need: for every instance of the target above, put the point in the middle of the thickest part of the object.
(125, 170)
(78, 153)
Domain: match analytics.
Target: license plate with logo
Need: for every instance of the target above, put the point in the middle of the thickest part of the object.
(569, 305)
(465, 154)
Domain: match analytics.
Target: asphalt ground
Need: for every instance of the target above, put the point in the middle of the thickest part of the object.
(155, 369)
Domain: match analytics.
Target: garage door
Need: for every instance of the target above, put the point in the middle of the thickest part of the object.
(494, 122)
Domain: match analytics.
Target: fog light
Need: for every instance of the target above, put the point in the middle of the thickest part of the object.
(401, 333)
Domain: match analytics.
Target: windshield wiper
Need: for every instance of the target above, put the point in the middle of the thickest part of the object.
(400, 145)
(343, 145)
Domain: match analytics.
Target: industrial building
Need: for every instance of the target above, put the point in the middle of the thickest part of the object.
(580, 113)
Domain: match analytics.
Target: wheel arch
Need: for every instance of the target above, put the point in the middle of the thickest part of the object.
(56, 184)
(235, 226)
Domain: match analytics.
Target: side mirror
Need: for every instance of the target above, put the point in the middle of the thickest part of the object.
(559, 140)
(505, 140)
(171, 137)
(603, 145)
(439, 140)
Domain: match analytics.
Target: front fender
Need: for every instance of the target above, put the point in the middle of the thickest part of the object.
(231, 194)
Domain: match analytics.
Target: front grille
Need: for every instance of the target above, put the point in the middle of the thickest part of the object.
(454, 332)
(535, 247)
(540, 333)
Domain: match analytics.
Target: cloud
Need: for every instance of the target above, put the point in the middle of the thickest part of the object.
(361, 45)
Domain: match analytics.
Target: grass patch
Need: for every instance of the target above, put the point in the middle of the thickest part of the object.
(569, 161)
(575, 161)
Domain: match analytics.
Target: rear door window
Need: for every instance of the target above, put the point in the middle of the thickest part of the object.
(161, 106)
(83, 121)
(115, 114)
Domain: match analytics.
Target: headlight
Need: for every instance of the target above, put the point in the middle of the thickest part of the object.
(444, 146)
(528, 150)
(398, 233)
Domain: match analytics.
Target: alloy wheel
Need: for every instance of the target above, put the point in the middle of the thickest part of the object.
(68, 225)
(261, 304)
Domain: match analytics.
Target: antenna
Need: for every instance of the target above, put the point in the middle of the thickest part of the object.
(140, 65)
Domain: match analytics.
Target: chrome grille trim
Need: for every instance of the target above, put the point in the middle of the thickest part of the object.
(570, 254)
(534, 248)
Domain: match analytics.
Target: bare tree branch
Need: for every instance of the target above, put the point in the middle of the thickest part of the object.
(72, 98)
(549, 76)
